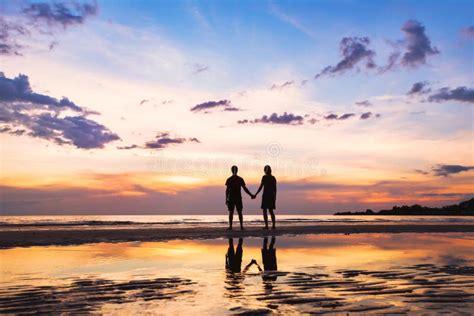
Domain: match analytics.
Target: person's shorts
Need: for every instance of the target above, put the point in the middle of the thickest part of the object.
(231, 205)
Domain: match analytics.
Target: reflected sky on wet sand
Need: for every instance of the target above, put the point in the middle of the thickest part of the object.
(389, 273)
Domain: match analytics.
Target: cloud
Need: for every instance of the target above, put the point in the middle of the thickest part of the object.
(468, 32)
(446, 170)
(413, 50)
(198, 68)
(23, 111)
(274, 118)
(18, 89)
(161, 141)
(283, 85)
(364, 103)
(419, 171)
(392, 61)
(62, 14)
(419, 88)
(365, 115)
(9, 32)
(8, 130)
(231, 109)
(343, 117)
(128, 147)
(346, 116)
(143, 101)
(42, 18)
(418, 45)
(462, 94)
(410, 52)
(331, 117)
(225, 105)
(355, 52)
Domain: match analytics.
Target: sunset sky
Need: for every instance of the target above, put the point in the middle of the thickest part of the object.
(142, 107)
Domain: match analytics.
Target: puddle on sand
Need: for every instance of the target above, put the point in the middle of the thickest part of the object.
(366, 273)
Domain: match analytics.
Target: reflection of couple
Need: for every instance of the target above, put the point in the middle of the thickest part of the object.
(233, 196)
(233, 258)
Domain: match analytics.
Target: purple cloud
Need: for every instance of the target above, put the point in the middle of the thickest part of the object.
(60, 13)
(468, 32)
(19, 90)
(162, 140)
(346, 116)
(283, 85)
(419, 88)
(418, 45)
(462, 94)
(364, 103)
(355, 51)
(225, 105)
(43, 18)
(198, 68)
(24, 111)
(446, 170)
(285, 118)
(332, 116)
(9, 32)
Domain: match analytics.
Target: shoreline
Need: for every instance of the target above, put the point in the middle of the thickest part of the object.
(75, 236)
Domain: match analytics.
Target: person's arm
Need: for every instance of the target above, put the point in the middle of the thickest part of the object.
(275, 188)
(249, 265)
(245, 188)
(260, 188)
(227, 191)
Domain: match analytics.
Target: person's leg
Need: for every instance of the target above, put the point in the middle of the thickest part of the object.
(272, 242)
(265, 217)
(231, 218)
(265, 243)
(241, 219)
(239, 208)
(273, 218)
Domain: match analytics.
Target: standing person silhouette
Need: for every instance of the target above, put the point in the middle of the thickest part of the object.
(233, 196)
(269, 261)
(269, 186)
(233, 257)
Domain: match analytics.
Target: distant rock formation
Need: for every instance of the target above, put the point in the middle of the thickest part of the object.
(465, 208)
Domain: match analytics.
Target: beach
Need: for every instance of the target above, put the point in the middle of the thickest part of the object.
(341, 269)
(173, 265)
(24, 236)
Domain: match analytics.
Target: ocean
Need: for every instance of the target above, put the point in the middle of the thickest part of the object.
(45, 222)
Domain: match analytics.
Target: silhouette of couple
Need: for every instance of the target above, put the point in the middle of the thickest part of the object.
(233, 196)
(233, 258)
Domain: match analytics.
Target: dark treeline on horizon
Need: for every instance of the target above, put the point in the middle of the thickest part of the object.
(465, 208)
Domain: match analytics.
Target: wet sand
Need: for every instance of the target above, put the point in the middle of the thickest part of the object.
(422, 287)
(394, 274)
(73, 235)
